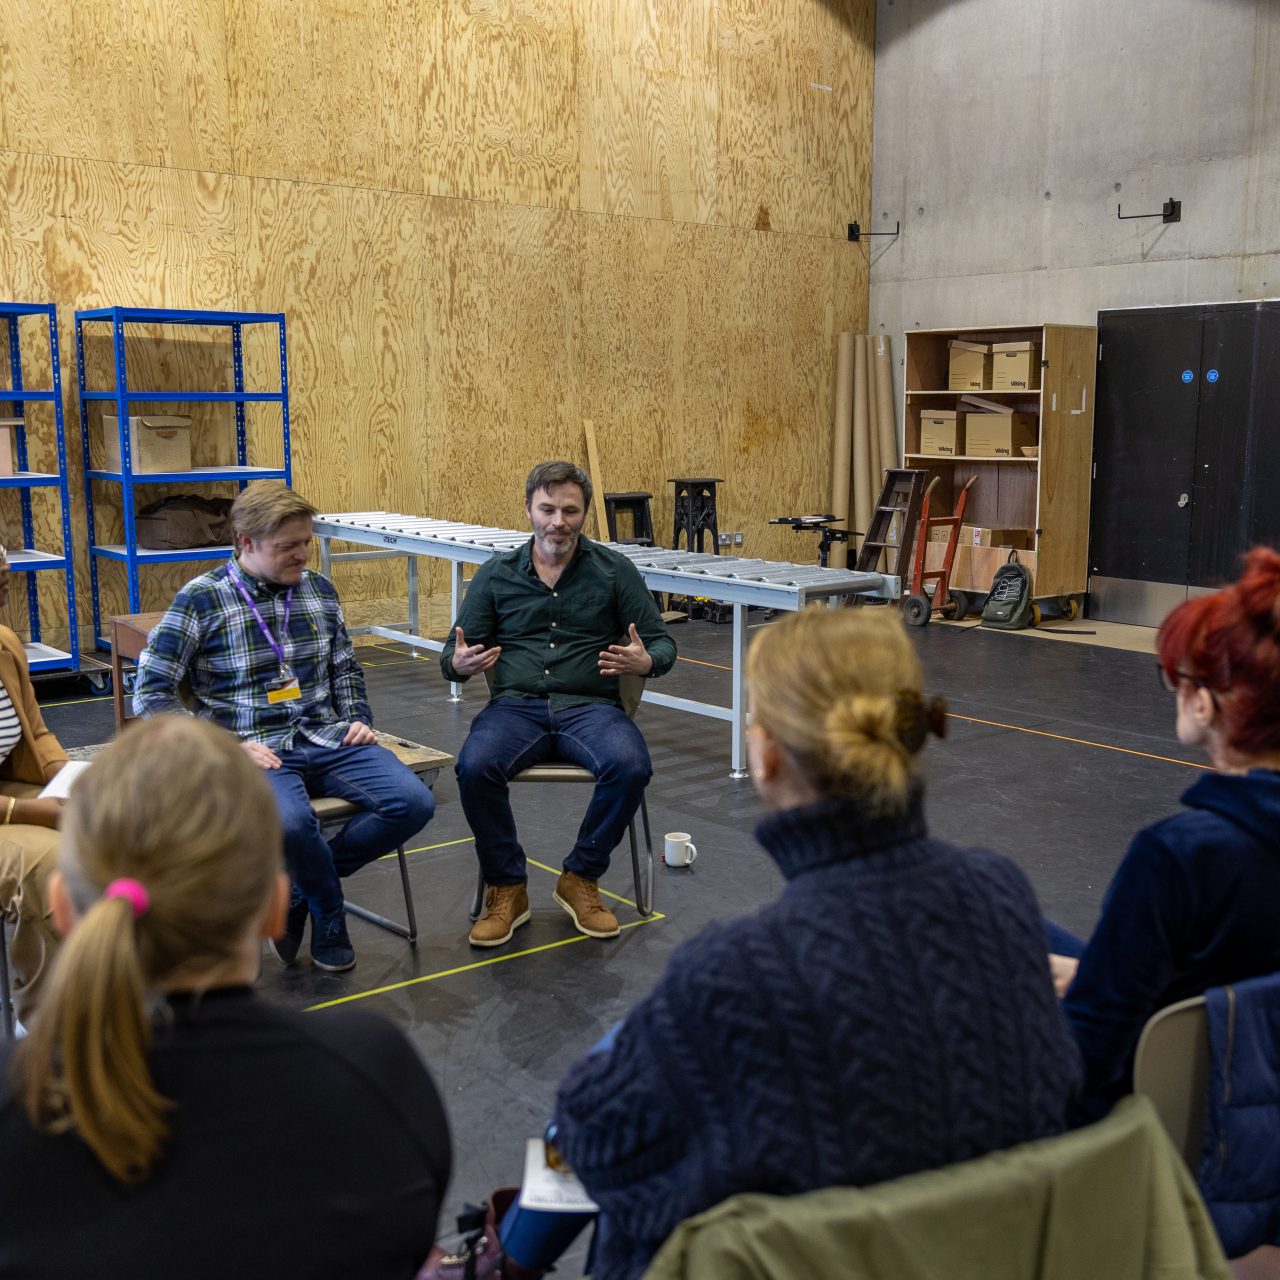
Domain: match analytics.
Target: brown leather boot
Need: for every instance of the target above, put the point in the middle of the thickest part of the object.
(506, 908)
(581, 899)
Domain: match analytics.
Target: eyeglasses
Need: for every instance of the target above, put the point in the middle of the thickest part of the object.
(1170, 682)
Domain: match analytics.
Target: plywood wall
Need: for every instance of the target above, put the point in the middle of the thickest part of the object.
(485, 220)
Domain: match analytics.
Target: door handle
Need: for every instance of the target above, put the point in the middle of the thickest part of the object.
(1084, 396)
(1183, 500)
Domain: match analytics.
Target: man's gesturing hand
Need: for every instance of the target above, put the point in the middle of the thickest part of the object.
(630, 659)
(472, 659)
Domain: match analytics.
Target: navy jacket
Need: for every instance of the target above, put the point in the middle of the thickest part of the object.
(1193, 905)
(890, 1012)
(1239, 1172)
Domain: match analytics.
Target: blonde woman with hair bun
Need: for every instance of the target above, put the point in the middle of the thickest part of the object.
(890, 1011)
(160, 1119)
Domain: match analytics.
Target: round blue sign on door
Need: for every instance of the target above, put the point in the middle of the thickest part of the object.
(1211, 376)
(1188, 376)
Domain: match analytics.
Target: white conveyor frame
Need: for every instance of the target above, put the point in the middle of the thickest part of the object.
(770, 584)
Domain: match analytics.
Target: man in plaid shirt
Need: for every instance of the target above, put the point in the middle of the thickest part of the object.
(261, 645)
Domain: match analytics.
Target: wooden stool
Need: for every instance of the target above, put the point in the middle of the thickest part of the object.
(635, 505)
(696, 512)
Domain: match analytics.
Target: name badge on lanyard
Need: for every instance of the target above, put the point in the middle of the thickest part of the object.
(285, 688)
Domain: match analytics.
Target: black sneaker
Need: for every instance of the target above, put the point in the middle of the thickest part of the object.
(331, 949)
(287, 946)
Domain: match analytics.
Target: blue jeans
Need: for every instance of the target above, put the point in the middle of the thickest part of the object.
(396, 805)
(513, 733)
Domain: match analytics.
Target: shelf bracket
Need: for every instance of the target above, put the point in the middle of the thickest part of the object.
(1171, 212)
(856, 232)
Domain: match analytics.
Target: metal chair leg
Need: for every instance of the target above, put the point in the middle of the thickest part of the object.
(6, 991)
(410, 932)
(477, 902)
(643, 878)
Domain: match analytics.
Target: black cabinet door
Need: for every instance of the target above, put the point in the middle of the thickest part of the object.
(1219, 520)
(1263, 459)
(1144, 444)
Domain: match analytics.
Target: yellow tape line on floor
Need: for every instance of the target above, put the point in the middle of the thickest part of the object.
(467, 968)
(480, 964)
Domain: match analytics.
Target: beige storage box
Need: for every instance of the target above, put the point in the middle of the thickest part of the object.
(968, 366)
(998, 435)
(942, 432)
(156, 443)
(1015, 366)
(977, 536)
(6, 444)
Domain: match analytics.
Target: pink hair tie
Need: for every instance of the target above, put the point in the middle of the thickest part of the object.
(133, 892)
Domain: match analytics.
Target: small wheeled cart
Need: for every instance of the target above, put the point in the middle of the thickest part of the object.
(921, 604)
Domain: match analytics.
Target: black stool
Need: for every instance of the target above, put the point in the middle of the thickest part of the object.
(696, 512)
(635, 505)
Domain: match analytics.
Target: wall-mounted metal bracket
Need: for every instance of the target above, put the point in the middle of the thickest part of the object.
(1172, 212)
(856, 232)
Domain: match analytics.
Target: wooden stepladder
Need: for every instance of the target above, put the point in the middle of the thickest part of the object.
(893, 525)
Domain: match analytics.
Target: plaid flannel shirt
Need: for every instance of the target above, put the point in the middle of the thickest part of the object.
(210, 639)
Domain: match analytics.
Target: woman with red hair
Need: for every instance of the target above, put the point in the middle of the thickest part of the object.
(1193, 904)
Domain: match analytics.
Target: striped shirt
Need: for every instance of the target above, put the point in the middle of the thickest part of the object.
(10, 727)
(210, 640)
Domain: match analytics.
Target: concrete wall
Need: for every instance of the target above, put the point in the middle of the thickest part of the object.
(1006, 131)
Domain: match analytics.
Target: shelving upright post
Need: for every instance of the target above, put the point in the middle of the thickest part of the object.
(27, 559)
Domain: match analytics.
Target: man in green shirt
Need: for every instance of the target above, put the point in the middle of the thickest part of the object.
(554, 623)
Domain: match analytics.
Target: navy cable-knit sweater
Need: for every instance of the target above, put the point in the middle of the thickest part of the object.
(891, 1011)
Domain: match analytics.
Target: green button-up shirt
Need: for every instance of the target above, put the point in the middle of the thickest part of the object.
(551, 637)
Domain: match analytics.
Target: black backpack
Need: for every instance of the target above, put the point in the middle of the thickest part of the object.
(1008, 606)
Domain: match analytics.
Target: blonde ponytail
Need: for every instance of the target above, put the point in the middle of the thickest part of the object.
(178, 819)
(840, 689)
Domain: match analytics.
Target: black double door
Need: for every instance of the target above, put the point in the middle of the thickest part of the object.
(1186, 452)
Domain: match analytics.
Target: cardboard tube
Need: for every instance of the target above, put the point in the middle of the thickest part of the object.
(889, 455)
(859, 482)
(840, 440)
(877, 465)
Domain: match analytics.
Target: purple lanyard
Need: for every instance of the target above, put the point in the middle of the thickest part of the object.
(276, 646)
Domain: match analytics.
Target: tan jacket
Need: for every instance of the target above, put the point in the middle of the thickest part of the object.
(37, 749)
(1110, 1202)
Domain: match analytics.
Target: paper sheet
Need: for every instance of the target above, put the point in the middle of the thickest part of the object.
(60, 787)
(546, 1189)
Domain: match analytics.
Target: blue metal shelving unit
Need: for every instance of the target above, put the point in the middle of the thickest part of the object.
(27, 559)
(123, 395)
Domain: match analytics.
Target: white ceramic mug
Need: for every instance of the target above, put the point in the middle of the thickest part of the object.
(680, 850)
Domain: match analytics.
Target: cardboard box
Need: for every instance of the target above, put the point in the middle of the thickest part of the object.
(6, 447)
(942, 432)
(977, 536)
(998, 435)
(981, 565)
(1015, 366)
(969, 366)
(156, 443)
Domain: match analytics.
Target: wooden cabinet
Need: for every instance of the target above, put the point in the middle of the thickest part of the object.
(1047, 494)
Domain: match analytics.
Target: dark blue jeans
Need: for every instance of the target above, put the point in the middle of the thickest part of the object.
(513, 733)
(396, 805)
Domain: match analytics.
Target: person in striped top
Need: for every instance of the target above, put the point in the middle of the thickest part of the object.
(30, 757)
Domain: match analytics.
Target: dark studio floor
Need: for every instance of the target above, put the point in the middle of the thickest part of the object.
(1056, 754)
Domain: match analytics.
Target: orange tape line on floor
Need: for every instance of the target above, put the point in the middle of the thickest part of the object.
(1084, 742)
